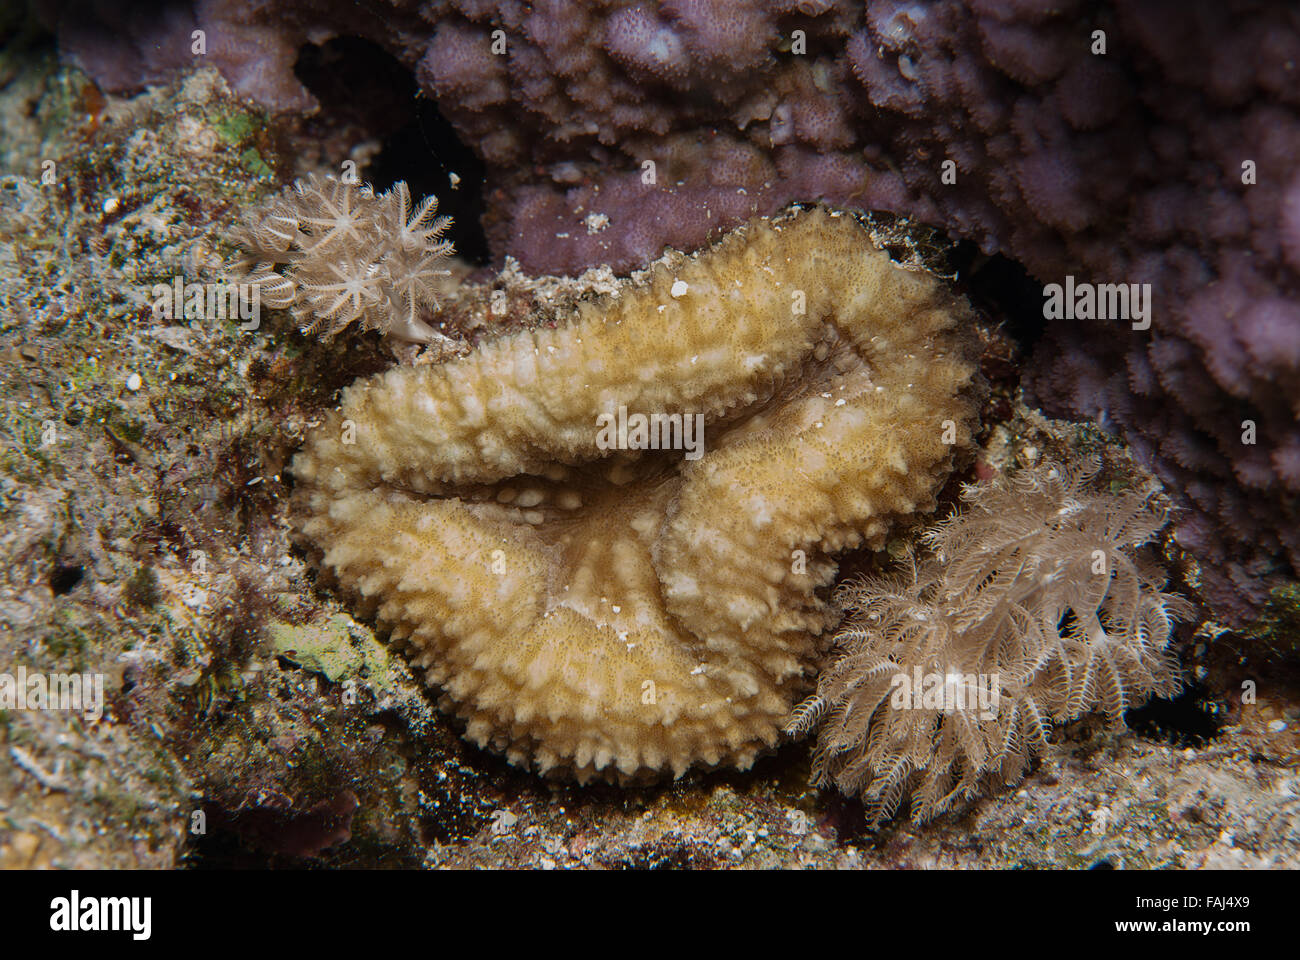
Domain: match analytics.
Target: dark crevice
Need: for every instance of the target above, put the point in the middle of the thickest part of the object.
(1191, 719)
(1004, 288)
(365, 93)
(64, 577)
(425, 153)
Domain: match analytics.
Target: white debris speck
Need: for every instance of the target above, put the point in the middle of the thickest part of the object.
(134, 383)
(679, 288)
(503, 821)
(111, 205)
(1277, 726)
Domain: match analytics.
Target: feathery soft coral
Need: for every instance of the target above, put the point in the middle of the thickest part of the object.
(335, 253)
(1037, 595)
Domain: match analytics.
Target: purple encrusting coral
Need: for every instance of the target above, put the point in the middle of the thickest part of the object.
(1168, 159)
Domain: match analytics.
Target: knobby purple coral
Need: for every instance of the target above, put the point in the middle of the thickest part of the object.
(1149, 143)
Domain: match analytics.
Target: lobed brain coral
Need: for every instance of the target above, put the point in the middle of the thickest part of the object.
(621, 611)
(1034, 605)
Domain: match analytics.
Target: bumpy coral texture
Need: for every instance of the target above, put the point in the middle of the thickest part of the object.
(1038, 590)
(336, 254)
(603, 612)
(127, 44)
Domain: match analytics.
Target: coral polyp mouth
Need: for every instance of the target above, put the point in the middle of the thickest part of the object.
(605, 543)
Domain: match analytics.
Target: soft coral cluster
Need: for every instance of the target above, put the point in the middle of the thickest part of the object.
(1036, 597)
(335, 254)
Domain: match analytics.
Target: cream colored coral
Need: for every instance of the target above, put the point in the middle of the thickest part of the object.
(595, 611)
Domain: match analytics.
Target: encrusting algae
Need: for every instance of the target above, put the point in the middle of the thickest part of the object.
(618, 612)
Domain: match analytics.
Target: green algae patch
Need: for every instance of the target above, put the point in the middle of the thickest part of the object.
(234, 127)
(244, 132)
(338, 648)
(254, 163)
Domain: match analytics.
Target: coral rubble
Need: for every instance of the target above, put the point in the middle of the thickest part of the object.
(599, 610)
